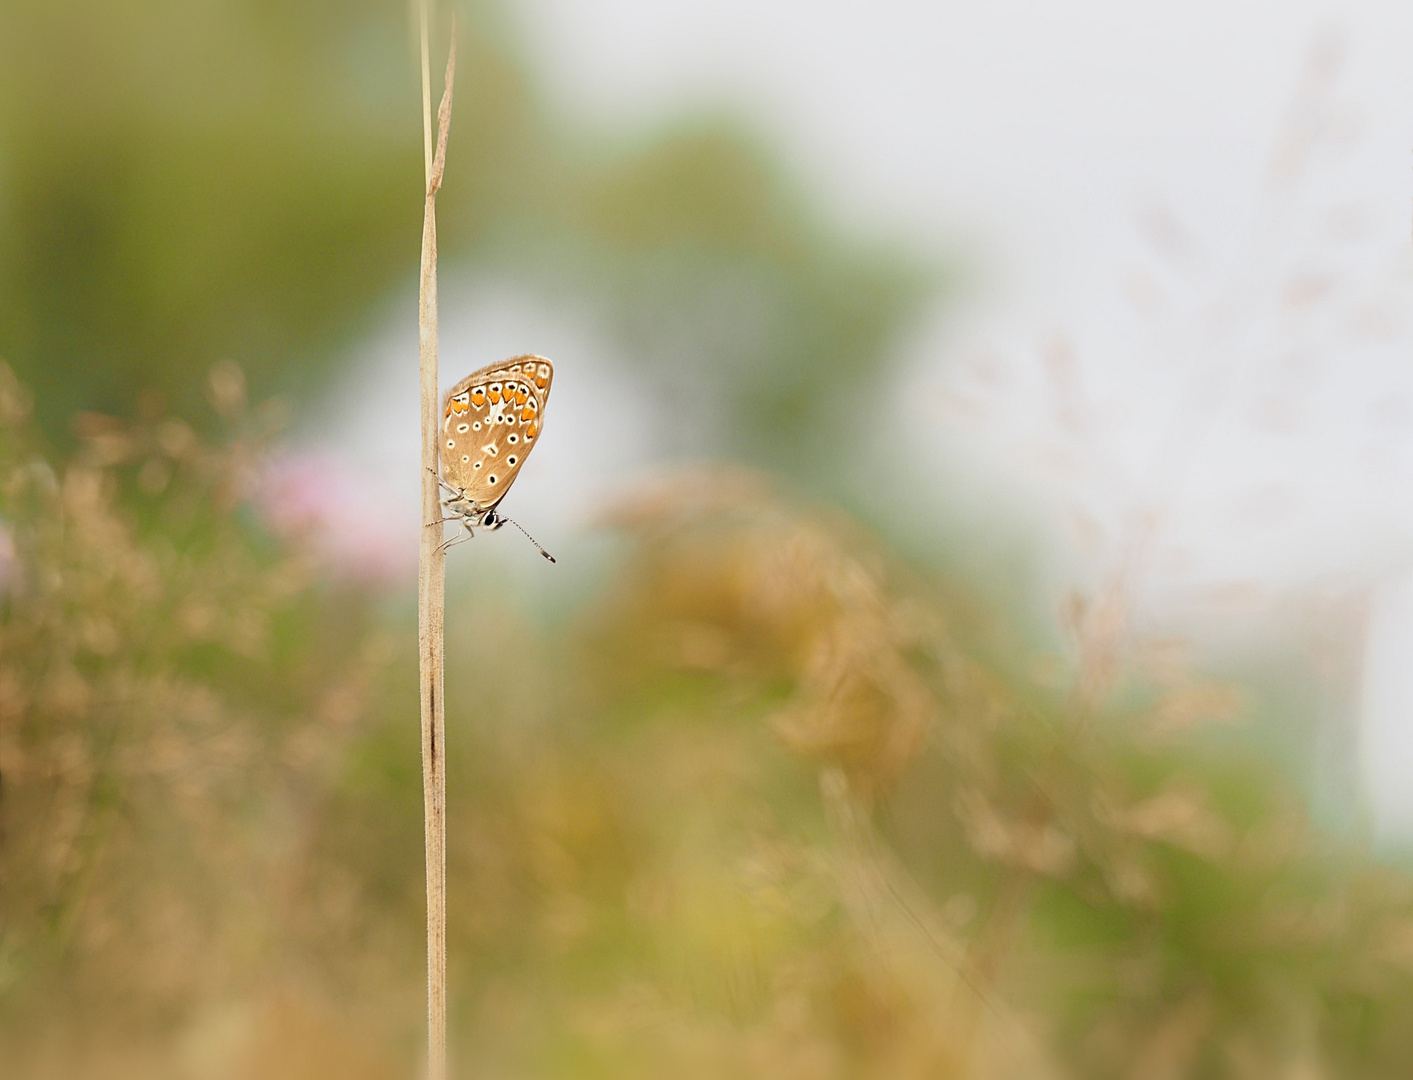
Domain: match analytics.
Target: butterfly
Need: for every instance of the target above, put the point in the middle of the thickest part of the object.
(490, 422)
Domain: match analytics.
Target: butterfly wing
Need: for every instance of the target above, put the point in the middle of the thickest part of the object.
(490, 422)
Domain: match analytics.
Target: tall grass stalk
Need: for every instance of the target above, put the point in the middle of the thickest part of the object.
(431, 571)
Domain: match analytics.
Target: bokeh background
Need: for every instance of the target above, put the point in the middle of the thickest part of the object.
(979, 469)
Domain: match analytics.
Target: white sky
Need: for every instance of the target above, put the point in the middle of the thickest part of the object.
(1039, 136)
(1105, 382)
(1269, 437)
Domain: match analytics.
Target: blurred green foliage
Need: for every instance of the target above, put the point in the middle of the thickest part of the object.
(241, 180)
(757, 812)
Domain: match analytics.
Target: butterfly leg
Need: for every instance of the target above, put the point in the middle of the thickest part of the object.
(456, 539)
(455, 493)
(453, 542)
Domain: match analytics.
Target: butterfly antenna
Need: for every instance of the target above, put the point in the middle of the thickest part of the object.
(512, 521)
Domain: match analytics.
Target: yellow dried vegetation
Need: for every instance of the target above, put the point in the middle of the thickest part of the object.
(758, 809)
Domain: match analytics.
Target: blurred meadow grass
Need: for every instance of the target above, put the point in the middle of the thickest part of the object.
(776, 801)
(756, 810)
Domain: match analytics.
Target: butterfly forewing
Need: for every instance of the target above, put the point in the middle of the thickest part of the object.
(491, 421)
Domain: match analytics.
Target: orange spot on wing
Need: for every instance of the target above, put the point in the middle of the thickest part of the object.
(540, 381)
(520, 395)
(478, 398)
(495, 396)
(534, 430)
(527, 414)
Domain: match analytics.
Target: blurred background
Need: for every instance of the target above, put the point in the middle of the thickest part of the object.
(978, 466)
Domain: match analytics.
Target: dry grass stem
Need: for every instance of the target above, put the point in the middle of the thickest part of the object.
(431, 579)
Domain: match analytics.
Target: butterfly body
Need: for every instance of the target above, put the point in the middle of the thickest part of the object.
(466, 511)
(490, 422)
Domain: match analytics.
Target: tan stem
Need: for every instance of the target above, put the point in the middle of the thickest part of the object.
(431, 577)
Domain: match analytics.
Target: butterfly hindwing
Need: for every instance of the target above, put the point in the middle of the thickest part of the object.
(491, 421)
